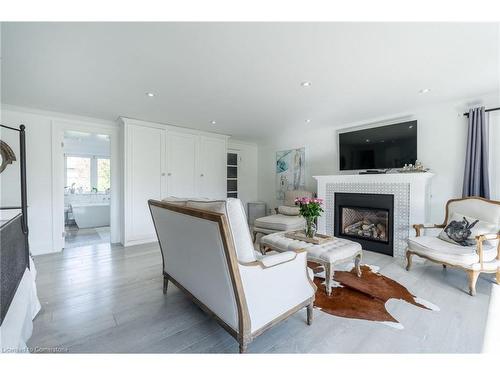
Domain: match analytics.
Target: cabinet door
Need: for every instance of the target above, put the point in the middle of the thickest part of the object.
(182, 153)
(212, 171)
(146, 165)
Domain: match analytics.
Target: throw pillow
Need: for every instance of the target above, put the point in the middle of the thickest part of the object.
(462, 230)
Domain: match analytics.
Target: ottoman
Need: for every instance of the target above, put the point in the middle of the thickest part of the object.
(328, 254)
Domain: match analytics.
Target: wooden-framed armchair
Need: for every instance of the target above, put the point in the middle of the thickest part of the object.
(481, 256)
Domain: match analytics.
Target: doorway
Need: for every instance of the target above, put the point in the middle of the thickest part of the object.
(80, 175)
(87, 188)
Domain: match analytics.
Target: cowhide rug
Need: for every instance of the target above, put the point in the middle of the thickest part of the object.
(362, 297)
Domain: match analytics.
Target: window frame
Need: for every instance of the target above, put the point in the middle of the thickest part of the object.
(93, 168)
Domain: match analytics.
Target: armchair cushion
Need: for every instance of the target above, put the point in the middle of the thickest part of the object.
(287, 210)
(450, 253)
(280, 222)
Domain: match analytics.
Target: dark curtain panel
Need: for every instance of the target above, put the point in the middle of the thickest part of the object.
(476, 176)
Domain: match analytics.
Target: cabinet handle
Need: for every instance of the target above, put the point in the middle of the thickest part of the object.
(201, 175)
(169, 174)
(163, 174)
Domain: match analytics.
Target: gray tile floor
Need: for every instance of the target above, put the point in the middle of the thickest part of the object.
(103, 298)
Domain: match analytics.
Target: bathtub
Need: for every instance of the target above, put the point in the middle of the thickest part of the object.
(91, 215)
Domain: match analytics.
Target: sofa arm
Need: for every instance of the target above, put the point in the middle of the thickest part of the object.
(419, 227)
(273, 260)
(278, 267)
(485, 237)
(488, 236)
(273, 291)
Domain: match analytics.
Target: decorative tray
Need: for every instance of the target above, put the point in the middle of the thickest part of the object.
(318, 239)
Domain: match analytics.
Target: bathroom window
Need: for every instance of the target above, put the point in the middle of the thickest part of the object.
(103, 174)
(88, 173)
(78, 172)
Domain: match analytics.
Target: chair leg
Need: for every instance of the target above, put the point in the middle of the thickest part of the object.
(357, 264)
(262, 248)
(328, 278)
(473, 275)
(408, 260)
(498, 277)
(310, 313)
(243, 348)
(165, 284)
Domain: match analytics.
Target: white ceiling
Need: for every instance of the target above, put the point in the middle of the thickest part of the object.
(245, 76)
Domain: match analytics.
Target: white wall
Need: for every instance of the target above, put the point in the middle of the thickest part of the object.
(39, 125)
(247, 170)
(442, 133)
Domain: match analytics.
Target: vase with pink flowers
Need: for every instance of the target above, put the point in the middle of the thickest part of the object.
(310, 209)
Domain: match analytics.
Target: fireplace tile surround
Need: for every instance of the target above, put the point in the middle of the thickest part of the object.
(411, 200)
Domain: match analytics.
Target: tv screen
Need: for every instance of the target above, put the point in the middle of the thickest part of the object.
(390, 146)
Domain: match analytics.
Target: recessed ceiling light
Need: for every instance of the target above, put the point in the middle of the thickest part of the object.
(213, 122)
(308, 120)
(424, 91)
(367, 140)
(305, 84)
(150, 94)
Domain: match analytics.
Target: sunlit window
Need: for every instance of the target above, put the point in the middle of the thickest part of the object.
(78, 174)
(86, 174)
(103, 174)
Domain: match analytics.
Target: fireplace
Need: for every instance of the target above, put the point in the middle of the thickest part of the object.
(367, 219)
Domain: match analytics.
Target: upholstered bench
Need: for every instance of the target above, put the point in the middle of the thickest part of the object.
(328, 254)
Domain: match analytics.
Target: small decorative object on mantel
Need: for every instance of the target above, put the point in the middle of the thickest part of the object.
(300, 235)
(310, 209)
(410, 168)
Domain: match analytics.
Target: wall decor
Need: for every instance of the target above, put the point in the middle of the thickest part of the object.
(7, 156)
(290, 171)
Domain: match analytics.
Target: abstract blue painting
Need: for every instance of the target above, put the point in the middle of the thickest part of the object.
(290, 171)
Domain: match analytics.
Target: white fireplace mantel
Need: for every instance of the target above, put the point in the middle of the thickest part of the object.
(411, 199)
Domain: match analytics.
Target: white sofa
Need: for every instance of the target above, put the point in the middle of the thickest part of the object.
(483, 256)
(208, 253)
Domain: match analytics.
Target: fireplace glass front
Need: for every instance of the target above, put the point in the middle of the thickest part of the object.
(369, 224)
(367, 219)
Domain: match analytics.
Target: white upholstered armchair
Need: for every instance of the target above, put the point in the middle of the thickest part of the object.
(287, 216)
(208, 253)
(469, 239)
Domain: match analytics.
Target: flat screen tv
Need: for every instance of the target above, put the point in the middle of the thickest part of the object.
(382, 147)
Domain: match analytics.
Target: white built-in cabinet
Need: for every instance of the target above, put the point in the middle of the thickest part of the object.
(162, 160)
(212, 182)
(182, 158)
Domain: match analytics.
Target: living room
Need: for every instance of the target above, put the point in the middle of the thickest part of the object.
(342, 175)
